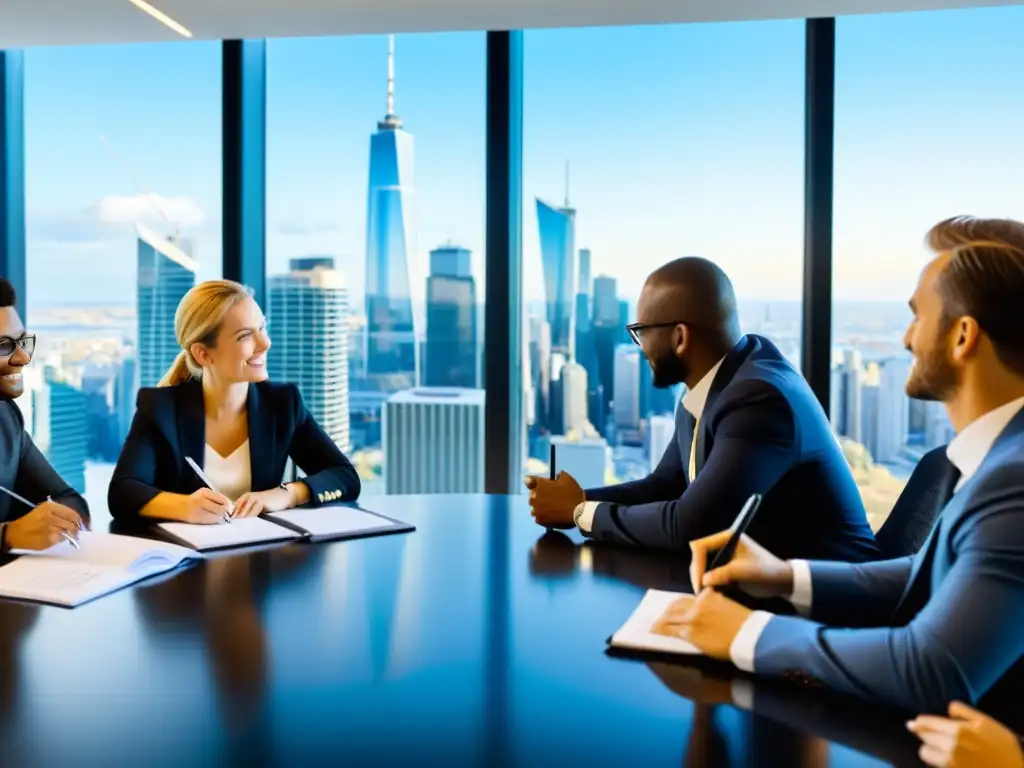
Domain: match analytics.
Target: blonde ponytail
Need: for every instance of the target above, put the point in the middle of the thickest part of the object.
(197, 321)
(180, 371)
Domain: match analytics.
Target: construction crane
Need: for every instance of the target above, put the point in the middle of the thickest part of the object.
(175, 230)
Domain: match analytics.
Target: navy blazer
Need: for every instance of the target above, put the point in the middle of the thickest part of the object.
(170, 424)
(944, 624)
(761, 431)
(24, 470)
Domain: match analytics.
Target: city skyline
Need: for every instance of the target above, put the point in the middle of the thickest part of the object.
(373, 199)
(735, 150)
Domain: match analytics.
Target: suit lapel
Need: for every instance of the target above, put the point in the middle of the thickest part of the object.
(191, 429)
(918, 586)
(730, 365)
(260, 420)
(919, 583)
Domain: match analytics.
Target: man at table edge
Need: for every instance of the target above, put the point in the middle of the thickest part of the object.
(59, 512)
(944, 624)
(749, 423)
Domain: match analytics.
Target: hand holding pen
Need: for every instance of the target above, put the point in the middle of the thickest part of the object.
(206, 505)
(46, 524)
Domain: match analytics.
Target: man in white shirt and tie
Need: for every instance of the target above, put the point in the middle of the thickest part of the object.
(947, 623)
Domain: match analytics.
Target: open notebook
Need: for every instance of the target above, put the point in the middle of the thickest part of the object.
(106, 562)
(333, 521)
(636, 634)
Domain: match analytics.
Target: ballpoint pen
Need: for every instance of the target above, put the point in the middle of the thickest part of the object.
(202, 476)
(30, 505)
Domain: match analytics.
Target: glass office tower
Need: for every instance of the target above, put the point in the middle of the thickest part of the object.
(308, 312)
(557, 227)
(166, 274)
(391, 358)
(451, 350)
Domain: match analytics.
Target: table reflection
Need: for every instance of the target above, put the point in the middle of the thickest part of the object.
(16, 623)
(220, 603)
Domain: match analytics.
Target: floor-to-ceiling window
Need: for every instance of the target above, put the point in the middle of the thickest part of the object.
(643, 144)
(123, 188)
(927, 127)
(375, 208)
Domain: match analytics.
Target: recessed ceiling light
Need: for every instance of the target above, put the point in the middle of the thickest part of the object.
(160, 16)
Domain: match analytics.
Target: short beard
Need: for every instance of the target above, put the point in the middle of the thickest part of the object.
(933, 378)
(667, 371)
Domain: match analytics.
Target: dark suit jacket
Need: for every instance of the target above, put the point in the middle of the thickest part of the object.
(170, 424)
(944, 624)
(24, 470)
(761, 431)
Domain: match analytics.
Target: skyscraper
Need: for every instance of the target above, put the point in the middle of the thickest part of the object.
(434, 441)
(392, 359)
(308, 311)
(574, 398)
(661, 430)
(585, 282)
(893, 409)
(557, 228)
(166, 274)
(59, 425)
(627, 387)
(854, 373)
(125, 388)
(606, 332)
(452, 348)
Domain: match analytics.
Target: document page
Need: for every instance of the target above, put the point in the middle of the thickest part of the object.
(59, 581)
(332, 520)
(115, 551)
(237, 533)
(636, 633)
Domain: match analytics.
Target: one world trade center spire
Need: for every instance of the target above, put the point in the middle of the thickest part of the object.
(391, 351)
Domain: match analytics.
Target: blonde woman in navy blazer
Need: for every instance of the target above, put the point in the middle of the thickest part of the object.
(216, 406)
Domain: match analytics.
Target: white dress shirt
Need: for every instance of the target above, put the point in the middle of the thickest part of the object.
(693, 401)
(230, 475)
(966, 452)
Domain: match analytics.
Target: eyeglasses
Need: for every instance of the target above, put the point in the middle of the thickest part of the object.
(27, 342)
(635, 329)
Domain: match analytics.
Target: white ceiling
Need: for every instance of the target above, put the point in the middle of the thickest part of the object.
(70, 22)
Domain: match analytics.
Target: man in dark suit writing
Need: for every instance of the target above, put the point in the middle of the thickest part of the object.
(748, 424)
(60, 511)
(945, 624)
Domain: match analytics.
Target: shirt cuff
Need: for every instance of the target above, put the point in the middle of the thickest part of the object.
(745, 643)
(801, 597)
(586, 521)
(742, 693)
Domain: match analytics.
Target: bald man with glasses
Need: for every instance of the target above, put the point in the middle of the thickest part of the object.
(749, 423)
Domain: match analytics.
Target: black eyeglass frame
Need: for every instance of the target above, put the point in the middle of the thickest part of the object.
(634, 329)
(27, 341)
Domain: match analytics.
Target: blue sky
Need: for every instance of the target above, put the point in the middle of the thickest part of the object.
(682, 139)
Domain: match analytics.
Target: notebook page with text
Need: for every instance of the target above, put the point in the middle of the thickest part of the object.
(115, 551)
(332, 520)
(237, 533)
(636, 633)
(61, 582)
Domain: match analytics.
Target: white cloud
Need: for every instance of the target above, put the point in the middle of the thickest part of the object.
(133, 209)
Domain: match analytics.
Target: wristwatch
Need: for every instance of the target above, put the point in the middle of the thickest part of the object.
(578, 513)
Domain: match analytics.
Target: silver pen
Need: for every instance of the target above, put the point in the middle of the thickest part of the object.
(202, 476)
(30, 505)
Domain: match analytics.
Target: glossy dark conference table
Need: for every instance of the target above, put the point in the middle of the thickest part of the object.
(476, 640)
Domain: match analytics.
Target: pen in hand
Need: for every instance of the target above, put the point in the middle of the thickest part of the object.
(65, 534)
(30, 505)
(202, 476)
(739, 527)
